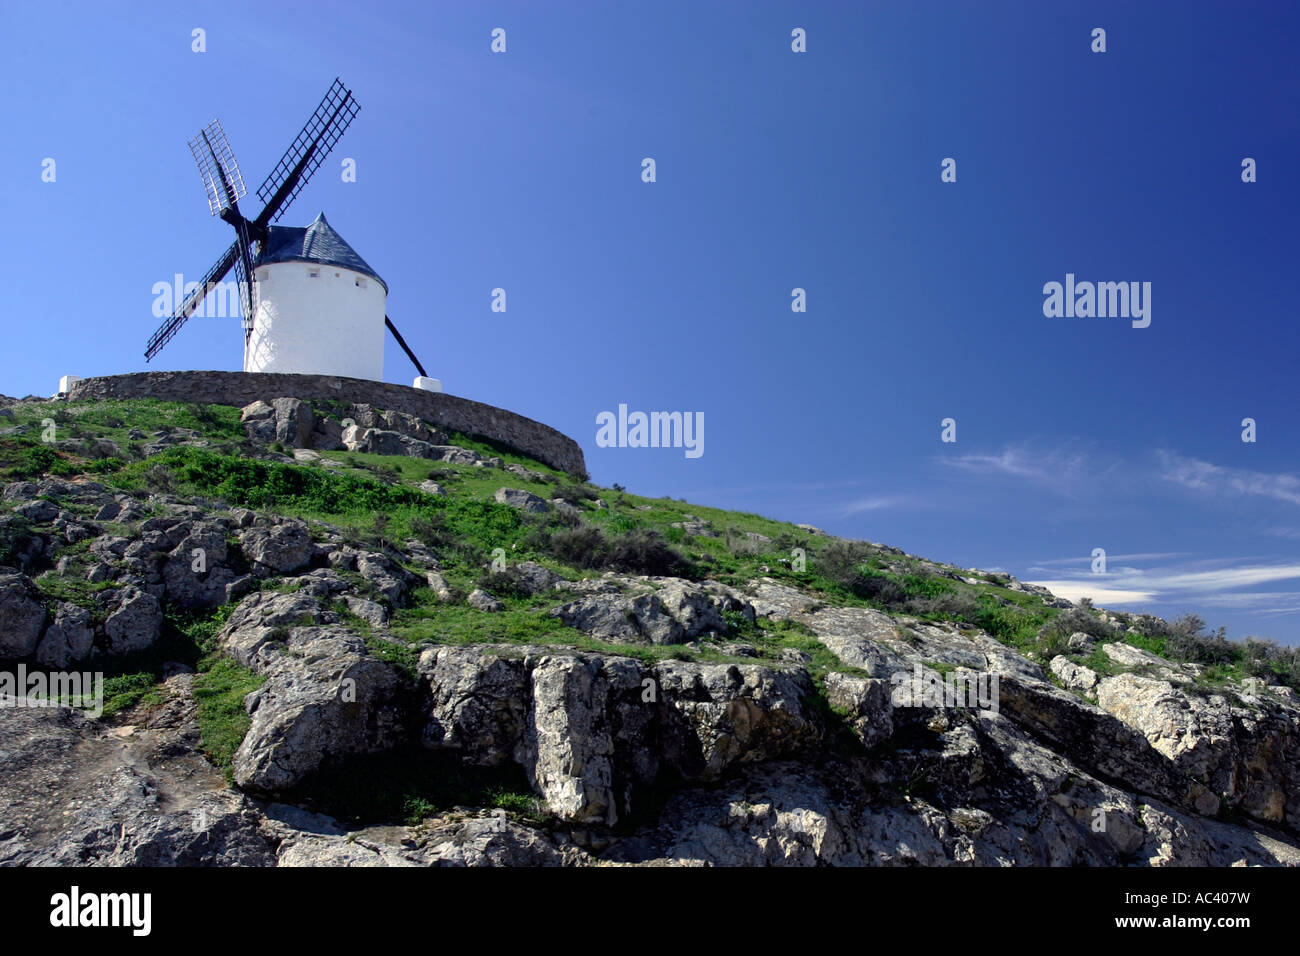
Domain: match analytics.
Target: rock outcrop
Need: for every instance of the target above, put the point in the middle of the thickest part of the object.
(640, 719)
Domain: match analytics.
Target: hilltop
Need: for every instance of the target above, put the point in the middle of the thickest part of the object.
(335, 633)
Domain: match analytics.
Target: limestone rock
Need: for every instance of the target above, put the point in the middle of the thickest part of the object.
(22, 615)
(1072, 675)
(482, 601)
(280, 549)
(69, 639)
(135, 623)
(523, 500)
(324, 699)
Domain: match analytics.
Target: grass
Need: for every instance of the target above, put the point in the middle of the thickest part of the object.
(1100, 663)
(373, 500)
(127, 690)
(220, 684)
(219, 689)
(71, 588)
(1155, 645)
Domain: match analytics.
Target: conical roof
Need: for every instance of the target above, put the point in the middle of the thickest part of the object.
(315, 243)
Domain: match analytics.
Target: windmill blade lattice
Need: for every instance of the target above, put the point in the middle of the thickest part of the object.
(167, 331)
(222, 179)
(308, 150)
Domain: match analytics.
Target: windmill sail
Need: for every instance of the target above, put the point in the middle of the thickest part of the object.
(305, 154)
(168, 329)
(224, 185)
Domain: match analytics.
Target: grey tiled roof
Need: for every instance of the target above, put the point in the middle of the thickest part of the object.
(315, 243)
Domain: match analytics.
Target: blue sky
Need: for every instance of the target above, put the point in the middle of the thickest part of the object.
(775, 170)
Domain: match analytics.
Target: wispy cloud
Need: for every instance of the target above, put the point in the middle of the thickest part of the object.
(1103, 594)
(1211, 583)
(1086, 560)
(1215, 479)
(1061, 468)
(874, 503)
(1020, 462)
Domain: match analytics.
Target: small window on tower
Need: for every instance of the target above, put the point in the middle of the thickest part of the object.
(314, 273)
(262, 276)
(361, 283)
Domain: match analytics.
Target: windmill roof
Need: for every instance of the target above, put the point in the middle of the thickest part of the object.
(315, 243)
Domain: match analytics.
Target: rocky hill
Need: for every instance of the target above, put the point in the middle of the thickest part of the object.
(337, 634)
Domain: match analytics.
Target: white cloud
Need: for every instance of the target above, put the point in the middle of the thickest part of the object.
(1086, 560)
(1204, 476)
(1102, 594)
(1208, 583)
(874, 503)
(1050, 467)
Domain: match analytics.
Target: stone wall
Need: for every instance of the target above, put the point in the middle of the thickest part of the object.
(531, 438)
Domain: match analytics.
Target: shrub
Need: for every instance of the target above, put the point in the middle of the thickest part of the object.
(18, 542)
(574, 494)
(1077, 619)
(1152, 626)
(845, 563)
(582, 547)
(158, 478)
(957, 605)
(436, 532)
(1203, 648)
(644, 551)
(505, 583)
(639, 551)
(1269, 660)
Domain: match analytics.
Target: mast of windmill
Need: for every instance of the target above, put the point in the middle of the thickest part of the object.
(224, 185)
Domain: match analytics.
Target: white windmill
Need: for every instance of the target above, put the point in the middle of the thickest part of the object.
(311, 304)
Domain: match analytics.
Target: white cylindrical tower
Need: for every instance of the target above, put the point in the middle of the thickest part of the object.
(319, 307)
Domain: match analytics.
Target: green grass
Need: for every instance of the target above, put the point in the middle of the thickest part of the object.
(71, 588)
(127, 690)
(25, 459)
(1155, 645)
(219, 689)
(114, 419)
(220, 684)
(1098, 661)
(374, 501)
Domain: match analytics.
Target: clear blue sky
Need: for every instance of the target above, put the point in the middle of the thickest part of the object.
(775, 170)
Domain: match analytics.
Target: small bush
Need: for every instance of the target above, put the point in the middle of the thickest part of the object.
(1077, 619)
(957, 605)
(505, 583)
(639, 551)
(1270, 661)
(582, 547)
(845, 563)
(574, 494)
(644, 551)
(158, 478)
(1203, 648)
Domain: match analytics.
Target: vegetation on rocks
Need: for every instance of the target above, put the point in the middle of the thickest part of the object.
(458, 630)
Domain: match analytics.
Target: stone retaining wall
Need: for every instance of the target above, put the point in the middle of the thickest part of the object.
(446, 411)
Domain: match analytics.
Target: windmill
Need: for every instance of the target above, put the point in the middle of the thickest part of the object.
(316, 327)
